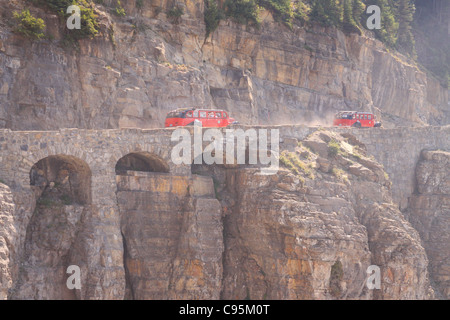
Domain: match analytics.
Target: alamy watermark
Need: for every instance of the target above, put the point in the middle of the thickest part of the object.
(74, 21)
(373, 22)
(74, 280)
(372, 282)
(374, 277)
(222, 148)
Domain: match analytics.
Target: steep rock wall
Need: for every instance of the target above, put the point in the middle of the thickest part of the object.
(337, 216)
(399, 151)
(6, 235)
(143, 65)
(429, 213)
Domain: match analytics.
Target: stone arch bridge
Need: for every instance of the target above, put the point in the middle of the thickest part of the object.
(92, 161)
(397, 149)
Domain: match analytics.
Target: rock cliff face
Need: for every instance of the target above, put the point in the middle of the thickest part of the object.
(429, 213)
(309, 232)
(6, 234)
(312, 233)
(143, 65)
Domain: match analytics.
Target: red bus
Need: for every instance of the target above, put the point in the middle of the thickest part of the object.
(208, 118)
(355, 119)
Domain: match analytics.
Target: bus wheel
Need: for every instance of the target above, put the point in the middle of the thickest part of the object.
(357, 125)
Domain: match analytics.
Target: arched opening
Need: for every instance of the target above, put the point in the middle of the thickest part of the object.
(62, 188)
(141, 161)
(142, 208)
(62, 178)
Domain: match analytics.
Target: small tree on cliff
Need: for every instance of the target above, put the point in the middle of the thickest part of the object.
(348, 23)
(28, 25)
(405, 17)
(213, 15)
(358, 11)
(326, 12)
(389, 24)
(242, 11)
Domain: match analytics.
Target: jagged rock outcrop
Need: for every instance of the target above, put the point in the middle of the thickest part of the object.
(143, 65)
(287, 236)
(429, 213)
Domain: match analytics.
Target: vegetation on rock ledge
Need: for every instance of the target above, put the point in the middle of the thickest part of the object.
(29, 25)
(89, 23)
(402, 22)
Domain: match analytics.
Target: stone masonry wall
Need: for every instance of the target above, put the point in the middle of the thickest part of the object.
(397, 149)
(172, 233)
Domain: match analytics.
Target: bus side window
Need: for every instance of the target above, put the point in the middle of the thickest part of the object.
(189, 114)
(211, 115)
(195, 114)
(218, 114)
(225, 115)
(370, 117)
(354, 116)
(202, 114)
(365, 117)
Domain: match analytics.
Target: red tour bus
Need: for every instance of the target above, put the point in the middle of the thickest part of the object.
(208, 118)
(355, 119)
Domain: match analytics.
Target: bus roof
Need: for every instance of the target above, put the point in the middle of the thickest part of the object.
(355, 112)
(192, 109)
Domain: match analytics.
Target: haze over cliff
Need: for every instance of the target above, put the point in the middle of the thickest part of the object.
(110, 200)
(145, 63)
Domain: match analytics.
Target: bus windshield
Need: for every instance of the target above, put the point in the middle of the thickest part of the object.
(344, 116)
(176, 114)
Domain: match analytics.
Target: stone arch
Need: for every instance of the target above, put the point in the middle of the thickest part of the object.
(62, 188)
(62, 175)
(141, 161)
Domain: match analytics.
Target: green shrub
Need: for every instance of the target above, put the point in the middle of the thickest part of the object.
(349, 23)
(285, 161)
(212, 16)
(28, 25)
(291, 161)
(89, 23)
(120, 11)
(242, 11)
(246, 12)
(281, 9)
(326, 12)
(334, 148)
(300, 164)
